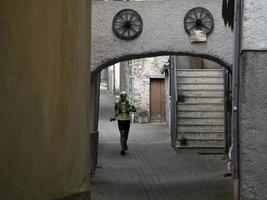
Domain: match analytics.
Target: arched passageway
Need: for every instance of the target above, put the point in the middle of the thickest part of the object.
(157, 38)
(151, 167)
(225, 87)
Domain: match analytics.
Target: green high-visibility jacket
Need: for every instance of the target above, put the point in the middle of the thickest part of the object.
(122, 110)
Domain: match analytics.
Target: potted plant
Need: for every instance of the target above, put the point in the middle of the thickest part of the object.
(183, 141)
(181, 96)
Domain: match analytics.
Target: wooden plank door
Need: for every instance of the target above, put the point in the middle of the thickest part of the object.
(157, 100)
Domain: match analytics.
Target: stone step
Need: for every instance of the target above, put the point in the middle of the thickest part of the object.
(189, 99)
(201, 122)
(201, 135)
(199, 73)
(202, 142)
(199, 149)
(200, 128)
(203, 83)
(182, 106)
(207, 87)
(190, 69)
(205, 80)
(200, 119)
(203, 93)
(205, 114)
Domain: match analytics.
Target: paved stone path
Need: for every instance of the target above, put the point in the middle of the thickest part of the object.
(151, 169)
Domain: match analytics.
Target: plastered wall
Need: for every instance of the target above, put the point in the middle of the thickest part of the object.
(254, 31)
(253, 127)
(253, 101)
(163, 32)
(44, 86)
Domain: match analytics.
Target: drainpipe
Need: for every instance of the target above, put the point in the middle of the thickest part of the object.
(114, 80)
(133, 80)
(131, 66)
(235, 101)
(226, 110)
(173, 83)
(132, 95)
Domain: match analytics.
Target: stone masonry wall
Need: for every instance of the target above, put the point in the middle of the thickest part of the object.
(143, 70)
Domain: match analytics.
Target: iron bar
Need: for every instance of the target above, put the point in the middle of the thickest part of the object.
(226, 104)
(173, 109)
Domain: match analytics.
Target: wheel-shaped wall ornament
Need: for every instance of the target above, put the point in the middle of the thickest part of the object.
(127, 24)
(198, 19)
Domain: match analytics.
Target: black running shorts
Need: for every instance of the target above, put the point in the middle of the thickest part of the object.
(124, 125)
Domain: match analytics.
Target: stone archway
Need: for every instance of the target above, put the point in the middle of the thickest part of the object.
(95, 88)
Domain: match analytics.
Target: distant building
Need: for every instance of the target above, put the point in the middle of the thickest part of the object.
(140, 78)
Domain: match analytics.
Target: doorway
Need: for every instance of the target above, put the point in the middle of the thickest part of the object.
(157, 100)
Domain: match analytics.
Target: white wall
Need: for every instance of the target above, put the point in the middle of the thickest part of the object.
(163, 31)
(114, 78)
(253, 95)
(254, 25)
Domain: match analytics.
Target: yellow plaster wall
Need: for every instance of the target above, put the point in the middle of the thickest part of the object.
(44, 87)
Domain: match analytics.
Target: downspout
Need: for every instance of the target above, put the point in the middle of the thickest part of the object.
(226, 110)
(235, 101)
(131, 66)
(133, 79)
(131, 95)
(114, 80)
(173, 85)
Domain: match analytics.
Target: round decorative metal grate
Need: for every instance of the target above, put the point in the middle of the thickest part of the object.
(198, 19)
(127, 24)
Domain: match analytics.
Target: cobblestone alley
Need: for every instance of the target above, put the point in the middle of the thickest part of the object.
(151, 169)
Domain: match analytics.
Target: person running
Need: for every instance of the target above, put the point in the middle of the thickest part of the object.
(122, 109)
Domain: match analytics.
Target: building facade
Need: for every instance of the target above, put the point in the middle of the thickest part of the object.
(140, 78)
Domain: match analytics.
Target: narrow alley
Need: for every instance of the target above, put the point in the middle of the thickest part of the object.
(200, 65)
(151, 169)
